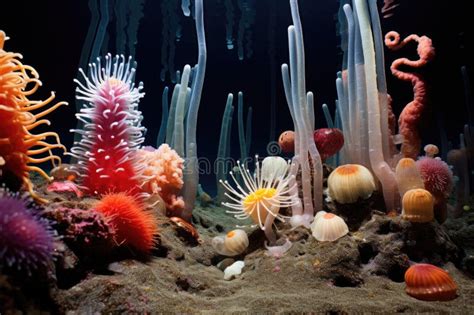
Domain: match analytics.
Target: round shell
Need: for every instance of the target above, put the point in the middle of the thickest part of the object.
(233, 243)
(347, 183)
(429, 283)
(328, 227)
(418, 206)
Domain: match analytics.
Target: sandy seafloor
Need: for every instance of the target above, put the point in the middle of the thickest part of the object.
(360, 273)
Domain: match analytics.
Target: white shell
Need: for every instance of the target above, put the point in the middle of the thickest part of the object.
(273, 167)
(328, 229)
(233, 243)
(349, 182)
(233, 270)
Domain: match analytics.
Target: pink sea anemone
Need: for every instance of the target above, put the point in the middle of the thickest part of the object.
(112, 128)
(437, 176)
(163, 174)
(26, 240)
(438, 180)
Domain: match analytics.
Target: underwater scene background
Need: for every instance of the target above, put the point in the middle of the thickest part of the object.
(128, 226)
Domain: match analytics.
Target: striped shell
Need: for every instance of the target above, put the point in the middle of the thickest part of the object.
(418, 205)
(328, 227)
(429, 283)
(233, 243)
(349, 182)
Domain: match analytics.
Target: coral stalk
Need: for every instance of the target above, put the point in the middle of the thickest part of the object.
(410, 117)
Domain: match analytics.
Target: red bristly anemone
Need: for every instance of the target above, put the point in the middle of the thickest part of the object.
(132, 225)
(26, 240)
(112, 127)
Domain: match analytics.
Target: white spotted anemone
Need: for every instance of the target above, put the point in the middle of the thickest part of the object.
(258, 198)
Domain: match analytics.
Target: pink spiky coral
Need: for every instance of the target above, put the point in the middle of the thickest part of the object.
(112, 128)
(411, 115)
(163, 173)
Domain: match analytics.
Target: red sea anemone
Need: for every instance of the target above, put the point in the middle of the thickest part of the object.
(26, 240)
(132, 225)
(328, 141)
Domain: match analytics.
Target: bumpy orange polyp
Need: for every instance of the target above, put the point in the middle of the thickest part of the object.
(255, 203)
(18, 147)
(348, 169)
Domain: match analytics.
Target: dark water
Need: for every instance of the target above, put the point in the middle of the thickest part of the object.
(50, 35)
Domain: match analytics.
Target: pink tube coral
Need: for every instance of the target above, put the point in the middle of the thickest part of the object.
(163, 174)
(411, 115)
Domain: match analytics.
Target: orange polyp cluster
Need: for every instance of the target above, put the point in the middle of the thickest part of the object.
(18, 147)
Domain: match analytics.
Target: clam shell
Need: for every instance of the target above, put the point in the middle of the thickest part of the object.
(429, 283)
(328, 227)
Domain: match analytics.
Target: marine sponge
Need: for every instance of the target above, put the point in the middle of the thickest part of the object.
(18, 147)
(26, 240)
(163, 174)
(132, 225)
(112, 130)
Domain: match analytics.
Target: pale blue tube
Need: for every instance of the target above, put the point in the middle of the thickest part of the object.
(248, 130)
(191, 176)
(327, 116)
(164, 117)
(240, 109)
(171, 115)
(222, 148)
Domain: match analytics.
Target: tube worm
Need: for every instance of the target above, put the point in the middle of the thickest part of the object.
(112, 127)
(19, 148)
(410, 116)
(191, 176)
(221, 151)
(379, 166)
(240, 115)
(297, 99)
(178, 140)
(164, 117)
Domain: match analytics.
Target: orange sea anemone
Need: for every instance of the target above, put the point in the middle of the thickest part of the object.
(132, 224)
(18, 147)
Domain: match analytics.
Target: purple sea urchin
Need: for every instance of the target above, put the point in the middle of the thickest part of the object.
(26, 240)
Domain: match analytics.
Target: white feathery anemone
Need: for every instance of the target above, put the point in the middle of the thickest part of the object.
(260, 199)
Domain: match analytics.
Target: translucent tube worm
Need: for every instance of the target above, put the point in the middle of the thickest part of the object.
(191, 176)
(178, 140)
(297, 98)
(222, 148)
(164, 117)
(379, 166)
(242, 143)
